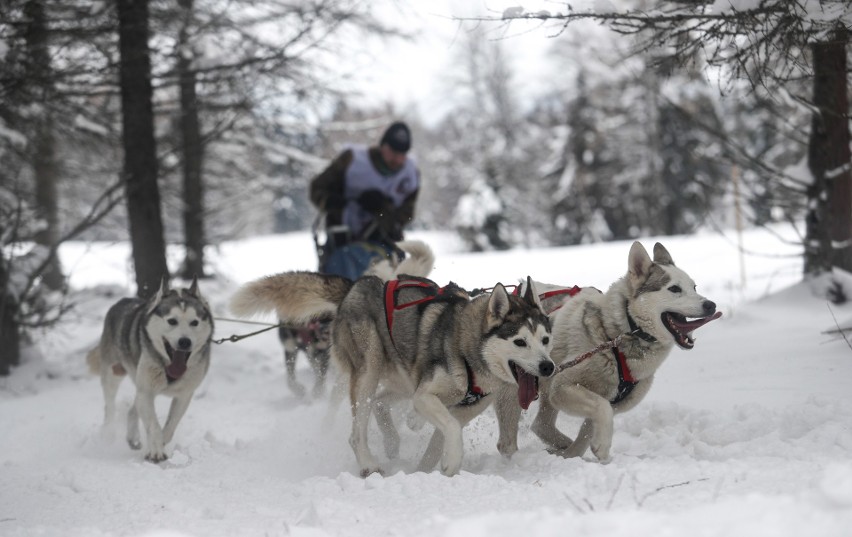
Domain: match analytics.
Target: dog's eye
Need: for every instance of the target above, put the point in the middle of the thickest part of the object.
(675, 289)
(520, 343)
(194, 323)
(545, 340)
(173, 322)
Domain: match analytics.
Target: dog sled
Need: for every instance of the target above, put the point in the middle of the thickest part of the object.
(340, 254)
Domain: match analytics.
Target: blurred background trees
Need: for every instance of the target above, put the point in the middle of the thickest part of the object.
(645, 125)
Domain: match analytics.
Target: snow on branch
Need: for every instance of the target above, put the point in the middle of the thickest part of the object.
(758, 41)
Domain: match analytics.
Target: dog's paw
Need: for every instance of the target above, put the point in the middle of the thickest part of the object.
(156, 457)
(568, 452)
(508, 448)
(602, 453)
(297, 389)
(450, 470)
(560, 452)
(134, 443)
(451, 465)
(365, 472)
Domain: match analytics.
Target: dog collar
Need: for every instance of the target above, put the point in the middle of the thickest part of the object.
(638, 332)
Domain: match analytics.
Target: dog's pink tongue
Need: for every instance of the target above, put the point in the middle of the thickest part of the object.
(689, 326)
(178, 365)
(527, 388)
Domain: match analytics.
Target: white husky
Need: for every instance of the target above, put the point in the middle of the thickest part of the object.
(648, 308)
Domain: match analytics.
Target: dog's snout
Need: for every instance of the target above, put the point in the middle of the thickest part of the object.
(546, 368)
(709, 306)
(184, 343)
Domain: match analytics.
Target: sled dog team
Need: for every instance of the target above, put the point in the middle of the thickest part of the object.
(396, 335)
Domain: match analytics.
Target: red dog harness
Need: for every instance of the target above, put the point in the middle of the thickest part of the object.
(433, 292)
(570, 291)
(393, 287)
(626, 382)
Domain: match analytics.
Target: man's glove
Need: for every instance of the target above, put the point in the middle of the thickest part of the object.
(335, 201)
(373, 201)
(395, 234)
(387, 224)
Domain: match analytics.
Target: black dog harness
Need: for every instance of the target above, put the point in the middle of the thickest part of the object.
(474, 392)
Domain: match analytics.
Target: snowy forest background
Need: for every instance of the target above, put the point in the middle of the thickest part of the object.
(249, 99)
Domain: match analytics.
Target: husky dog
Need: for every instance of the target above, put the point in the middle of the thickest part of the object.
(435, 345)
(163, 345)
(649, 308)
(314, 339)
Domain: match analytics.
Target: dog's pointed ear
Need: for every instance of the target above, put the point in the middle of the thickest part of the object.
(498, 306)
(193, 289)
(662, 256)
(158, 296)
(531, 294)
(638, 263)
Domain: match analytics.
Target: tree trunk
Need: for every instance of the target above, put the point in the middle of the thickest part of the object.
(193, 188)
(828, 240)
(42, 154)
(140, 155)
(10, 342)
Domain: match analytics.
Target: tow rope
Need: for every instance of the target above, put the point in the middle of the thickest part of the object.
(234, 338)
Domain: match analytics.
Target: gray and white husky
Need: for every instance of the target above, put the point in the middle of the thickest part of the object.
(313, 341)
(650, 309)
(314, 338)
(447, 352)
(163, 345)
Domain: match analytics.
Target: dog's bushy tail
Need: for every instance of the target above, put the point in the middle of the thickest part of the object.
(296, 297)
(418, 262)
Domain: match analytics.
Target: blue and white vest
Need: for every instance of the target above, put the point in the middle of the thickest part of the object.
(362, 175)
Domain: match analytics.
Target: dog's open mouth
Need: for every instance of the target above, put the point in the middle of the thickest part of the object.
(681, 327)
(177, 368)
(527, 385)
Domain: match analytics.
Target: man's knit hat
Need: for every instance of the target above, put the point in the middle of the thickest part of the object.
(398, 137)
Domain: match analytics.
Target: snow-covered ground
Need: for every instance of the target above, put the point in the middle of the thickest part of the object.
(749, 434)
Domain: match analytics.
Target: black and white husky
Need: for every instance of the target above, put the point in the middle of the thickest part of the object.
(647, 312)
(313, 339)
(448, 353)
(163, 345)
